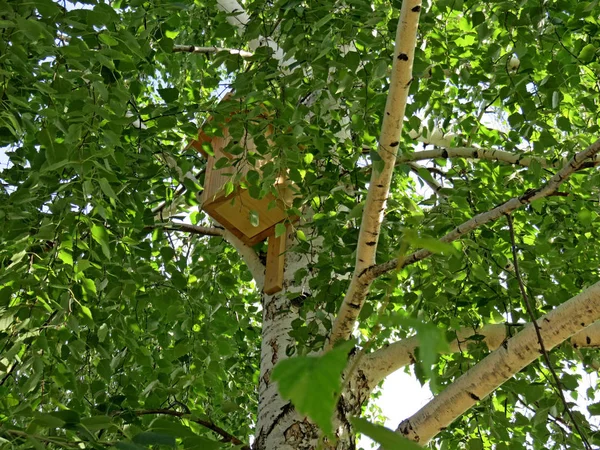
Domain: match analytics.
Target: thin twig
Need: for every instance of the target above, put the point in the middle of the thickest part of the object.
(531, 314)
(227, 437)
(188, 228)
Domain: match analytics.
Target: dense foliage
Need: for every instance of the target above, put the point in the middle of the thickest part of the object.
(107, 316)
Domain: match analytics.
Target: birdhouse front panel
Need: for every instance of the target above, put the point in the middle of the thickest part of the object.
(250, 219)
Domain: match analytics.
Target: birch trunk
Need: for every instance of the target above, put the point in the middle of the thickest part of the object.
(280, 426)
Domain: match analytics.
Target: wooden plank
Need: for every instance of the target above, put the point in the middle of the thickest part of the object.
(275, 264)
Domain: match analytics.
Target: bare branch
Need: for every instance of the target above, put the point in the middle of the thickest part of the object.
(379, 187)
(206, 50)
(549, 188)
(482, 153)
(502, 364)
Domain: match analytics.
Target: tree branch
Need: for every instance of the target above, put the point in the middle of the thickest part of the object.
(188, 228)
(482, 153)
(375, 366)
(549, 188)
(247, 253)
(227, 437)
(205, 50)
(250, 257)
(512, 356)
(380, 182)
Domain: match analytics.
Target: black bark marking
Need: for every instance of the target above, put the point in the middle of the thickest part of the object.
(394, 144)
(403, 57)
(353, 306)
(546, 320)
(588, 340)
(473, 396)
(444, 153)
(583, 324)
(371, 243)
(475, 154)
(416, 8)
(285, 410)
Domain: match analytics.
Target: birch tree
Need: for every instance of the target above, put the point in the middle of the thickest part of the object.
(444, 159)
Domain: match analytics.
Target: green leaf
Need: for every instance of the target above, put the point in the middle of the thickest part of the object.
(129, 446)
(169, 95)
(96, 423)
(555, 99)
(431, 244)
(357, 211)
(587, 53)
(380, 69)
(106, 188)
(107, 39)
(48, 420)
(594, 409)
(313, 383)
(585, 217)
(432, 341)
(102, 332)
(69, 417)
(279, 229)
(87, 312)
(171, 428)
(101, 237)
(151, 438)
(201, 443)
(254, 219)
(382, 435)
(229, 187)
(300, 235)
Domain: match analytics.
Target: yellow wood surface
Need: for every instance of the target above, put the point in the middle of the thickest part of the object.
(275, 264)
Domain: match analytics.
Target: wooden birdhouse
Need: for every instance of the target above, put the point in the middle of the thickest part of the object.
(226, 199)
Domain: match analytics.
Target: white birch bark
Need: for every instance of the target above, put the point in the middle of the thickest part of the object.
(381, 363)
(205, 50)
(380, 182)
(482, 153)
(279, 426)
(558, 325)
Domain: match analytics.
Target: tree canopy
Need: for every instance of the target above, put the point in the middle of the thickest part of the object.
(129, 318)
